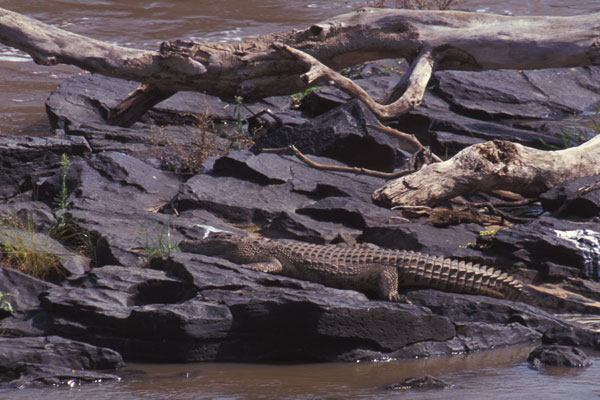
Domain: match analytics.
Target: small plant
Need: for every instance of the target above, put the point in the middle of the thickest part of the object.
(5, 305)
(162, 246)
(62, 199)
(297, 97)
(187, 158)
(241, 135)
(575, 136)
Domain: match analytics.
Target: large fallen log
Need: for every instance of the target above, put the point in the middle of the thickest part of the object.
(287, 62)
(492, 165)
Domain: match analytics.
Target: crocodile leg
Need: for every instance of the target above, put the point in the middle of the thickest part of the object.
(272, 266)
(387, 285)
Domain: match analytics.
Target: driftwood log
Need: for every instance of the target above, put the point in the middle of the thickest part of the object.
(488, 166)
(288, 62)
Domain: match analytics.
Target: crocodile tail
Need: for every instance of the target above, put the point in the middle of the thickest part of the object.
(460, 277)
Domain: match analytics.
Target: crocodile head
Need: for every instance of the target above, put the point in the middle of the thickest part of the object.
(236, 248)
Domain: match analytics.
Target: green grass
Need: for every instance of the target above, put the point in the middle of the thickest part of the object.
(5, 305)
(26, 251)
(161, 246)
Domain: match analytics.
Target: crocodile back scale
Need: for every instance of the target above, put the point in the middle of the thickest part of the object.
(367, 269)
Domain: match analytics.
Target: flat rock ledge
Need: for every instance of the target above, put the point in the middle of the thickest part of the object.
(137, 298)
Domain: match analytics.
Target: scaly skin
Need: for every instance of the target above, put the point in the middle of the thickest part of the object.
(369, 270)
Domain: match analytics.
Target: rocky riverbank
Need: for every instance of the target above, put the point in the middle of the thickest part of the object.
(134, 296)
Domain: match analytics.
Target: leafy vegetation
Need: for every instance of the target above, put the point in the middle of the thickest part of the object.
(162, 245)
(297, 97)
(5, 305)
(571, 137)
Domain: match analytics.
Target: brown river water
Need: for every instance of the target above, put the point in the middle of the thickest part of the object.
(24, 86)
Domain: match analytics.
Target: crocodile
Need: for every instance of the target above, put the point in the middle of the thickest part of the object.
(368, 269)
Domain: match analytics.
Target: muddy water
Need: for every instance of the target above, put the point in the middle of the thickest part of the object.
(24, 86)
(501, 374)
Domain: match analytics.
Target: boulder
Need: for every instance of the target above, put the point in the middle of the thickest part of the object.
(34, 214)
(565, 196)
(342, 134)
(22, 290)
(53, 360)
(558, 356)
(27, 158)
(562, 242)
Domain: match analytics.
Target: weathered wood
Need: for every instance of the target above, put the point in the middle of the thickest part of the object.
(130, 110)
(255, 69)
(492, 165)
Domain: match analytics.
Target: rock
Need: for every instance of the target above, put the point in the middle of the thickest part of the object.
(558, 356)
(302, 320)
(53, 359)
(478, 336)
(266, 168)
(23, 290)
(451, 240)
(566, 197)
(80, 105)
(347, 211)
(36, 375)
(33, 214)
(571, 336)
(523, 94)
(342, 134)
(113, 198)
(26, 158)
(236, 200)
(421, 382)
(562, 242)
(287, 225)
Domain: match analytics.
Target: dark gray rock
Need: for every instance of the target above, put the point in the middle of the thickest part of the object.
(421, 382)
(571, 336)
(236, 200)
(33, 214)
(586, 205)
(113, 181)
(34, 375)
(558, 356)
(287, 225)
(562, 242)
(23, 290)
(266, 168)
(81, 104)
(53, 359)
(522, 94)
(113, 197)
(348, 211)
(451, 240)
(477, 336)
(26, 158)
(341, 134)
